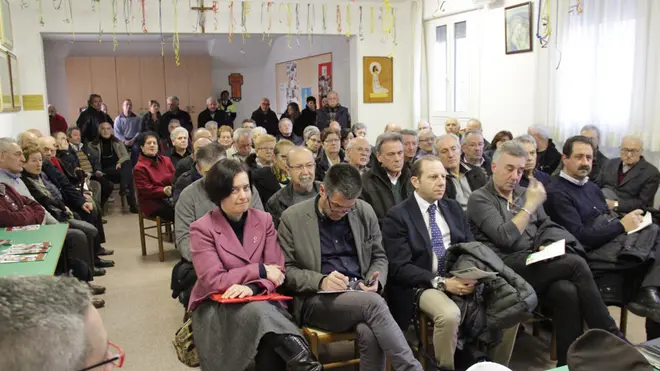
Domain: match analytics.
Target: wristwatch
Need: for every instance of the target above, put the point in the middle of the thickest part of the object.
(616, 205)
(438, 283)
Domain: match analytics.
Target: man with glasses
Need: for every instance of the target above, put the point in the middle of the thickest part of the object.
(242, 147)
(472, 146)
(388, 182)
(265, 117)
(579, 206)
(332, 248)
(629, 182)
(286, 132)
(426, 140)
(301, 166)
(49, 323)
(358, 154)
(462, 180)
(510, 220)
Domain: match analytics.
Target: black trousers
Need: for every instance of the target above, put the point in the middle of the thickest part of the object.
(106, 188)
(166, 211)
(122, 176)
(566, 285)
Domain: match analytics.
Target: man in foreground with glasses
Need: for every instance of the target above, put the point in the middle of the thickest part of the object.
(511, 220)
(49, 323)
(579, 206)
(301, 166)
(629, 182)
(337, 268)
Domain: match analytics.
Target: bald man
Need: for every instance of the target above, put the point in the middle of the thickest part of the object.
(27, 137)
(423, 125)
(266, 118)
(57, 122)
(392, 128)
(475, 124)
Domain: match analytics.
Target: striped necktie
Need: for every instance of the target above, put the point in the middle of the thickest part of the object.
(436, 239)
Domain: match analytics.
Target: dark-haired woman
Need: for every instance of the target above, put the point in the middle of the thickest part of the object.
(153, 175)
(235, 252)
(498, 140)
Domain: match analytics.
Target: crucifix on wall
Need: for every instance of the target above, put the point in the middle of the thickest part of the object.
(201, 18)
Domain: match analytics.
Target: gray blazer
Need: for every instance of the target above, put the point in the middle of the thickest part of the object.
(193, 204)
(298, 235)
(638, 187)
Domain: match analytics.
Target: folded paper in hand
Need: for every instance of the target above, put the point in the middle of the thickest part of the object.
(472, 273)
(648, 220)
(553, 250)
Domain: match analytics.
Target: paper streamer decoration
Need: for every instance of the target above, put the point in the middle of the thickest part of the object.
(289, 25)
(338, 19)
(175, 39)
(348, 20)
(41, 13)
(160, 21)
(144, 17)
(114, 25)
(128, 14)
(360, 29)
(73, 26)
(232, 22)
(245, 11)
(298, 24)
(324, 10)
(310, 24)
(371, 25)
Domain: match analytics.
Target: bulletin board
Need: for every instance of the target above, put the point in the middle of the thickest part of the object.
(297, 79)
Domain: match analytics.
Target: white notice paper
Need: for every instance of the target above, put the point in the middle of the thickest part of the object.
(548, 252)
(648, 220)
(472, 273)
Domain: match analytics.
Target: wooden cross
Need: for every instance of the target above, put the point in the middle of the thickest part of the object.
(201, 9)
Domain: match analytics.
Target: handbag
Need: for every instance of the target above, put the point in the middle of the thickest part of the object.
(184, 345)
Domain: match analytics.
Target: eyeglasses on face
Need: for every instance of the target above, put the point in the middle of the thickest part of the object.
(632, 151)
(116, 358)
(300, 167)
(331, 141)
(337, 208)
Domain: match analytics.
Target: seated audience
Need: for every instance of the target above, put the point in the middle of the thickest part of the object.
(265, 117)
(410, 146)
(548, 157)
(286, 132)
(26, 137)
(511, 221)
(229, 262)
(153, 179)
(333, 111)
(498, 140)
(68, 160)
(249, 124)
(592, 132)
(111, 154)
(256, 132)
(312, 137)
(579, 206)
(359, 130)
(210, 155)
(475, 124)
(472, 146)
(212, 127)
(150, 119)
(392, 128)
(57, 122)
(210, 113)
(346, 136)
(335, 126)
(423, 125)
(629, 182)
(242, 145)
(165, 144)
(179, 150)
(462, 180)
(333, 262)
(127, 125)
(426, 141)
(529, 144)
(270, 179)
(331, 154)
(358, 154)
(307, 117)
(264, 154)
(300, 165)
(226, 136)
(50, 323)
(388, 182)
(406, 232)
(452, 126)
(188, 163)
(17, 210)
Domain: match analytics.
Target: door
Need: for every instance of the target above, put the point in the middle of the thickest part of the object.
(152, 81)
(200, 85)
(128, 82)
(78, 87)
(104, 82)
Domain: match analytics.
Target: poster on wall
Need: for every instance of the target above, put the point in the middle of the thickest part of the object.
(236, 82)
(325, 80)
(378, 77)
(306, 92)
(292, 89)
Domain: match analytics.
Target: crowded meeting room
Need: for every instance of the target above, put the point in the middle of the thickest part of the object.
(373, 185)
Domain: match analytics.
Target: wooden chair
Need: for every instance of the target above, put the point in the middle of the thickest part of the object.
(317, 337)
(160, 223)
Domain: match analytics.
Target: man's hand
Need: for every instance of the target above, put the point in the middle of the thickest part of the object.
(168, 191)
(610, 204)
(88, 207)
(98, 173)
(535, 195)
(274, 274)
(237, 291)
(118, 166)
(632, 220)
(458, 286)
(372, 288)
(334, 281)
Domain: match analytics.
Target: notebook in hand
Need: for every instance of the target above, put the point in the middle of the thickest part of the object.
(269, 297)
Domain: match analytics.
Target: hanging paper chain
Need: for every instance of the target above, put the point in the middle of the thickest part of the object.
(215, 15)
(232, 22)
(128, 14)
(41, 13)
(245, 10)
(144, 17)
(310, 26)
(577, 8)
(360, 29)
(348, 20)
(324, 9)
(94, 5)
(73, 26)
(160, 22)
(371, 26)
(338, 19)
(100, 22)
(298, 24)
(175, 40)
(289, 24)
(114, 25)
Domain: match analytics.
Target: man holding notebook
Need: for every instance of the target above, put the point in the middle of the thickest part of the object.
(624, 244)
(511, 220)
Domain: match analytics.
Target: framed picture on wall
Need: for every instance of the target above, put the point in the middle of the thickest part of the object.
(6, 34)
(518, 28)
(15, 86)
(378, 77)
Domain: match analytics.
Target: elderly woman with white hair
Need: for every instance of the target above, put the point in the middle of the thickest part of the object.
(312, 137)
(212, 127)
(180, 149)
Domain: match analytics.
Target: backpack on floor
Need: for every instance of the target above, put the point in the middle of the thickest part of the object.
(184, 345)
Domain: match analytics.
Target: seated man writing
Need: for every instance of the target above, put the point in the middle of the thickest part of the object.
(579, 206)
(333, 242)
(418, 235)
(511, 220)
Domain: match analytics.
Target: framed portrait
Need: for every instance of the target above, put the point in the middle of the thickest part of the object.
(15, 86)
(518, 28)
(6, 34)
(378, 77)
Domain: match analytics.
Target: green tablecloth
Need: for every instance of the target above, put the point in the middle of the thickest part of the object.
(53, 233)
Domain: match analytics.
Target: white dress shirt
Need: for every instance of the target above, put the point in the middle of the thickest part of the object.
(440, 221)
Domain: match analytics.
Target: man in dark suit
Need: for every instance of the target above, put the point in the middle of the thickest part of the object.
(333, 111)
(416, 254)
(89, 120)
(266, 118)
(629, 182)
(174, 113)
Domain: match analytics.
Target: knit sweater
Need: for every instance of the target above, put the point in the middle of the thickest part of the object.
(576, 208)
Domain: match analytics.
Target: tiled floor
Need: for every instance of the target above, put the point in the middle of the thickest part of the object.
(141, 316)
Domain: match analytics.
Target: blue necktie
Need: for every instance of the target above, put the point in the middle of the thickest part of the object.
(436, 239)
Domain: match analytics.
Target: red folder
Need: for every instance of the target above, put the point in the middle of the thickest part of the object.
(269, 297)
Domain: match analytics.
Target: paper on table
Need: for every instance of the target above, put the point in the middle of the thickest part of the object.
(548, 252)
(472, 273)
(648, 220)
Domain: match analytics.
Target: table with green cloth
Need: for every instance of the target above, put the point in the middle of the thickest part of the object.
(52, 233)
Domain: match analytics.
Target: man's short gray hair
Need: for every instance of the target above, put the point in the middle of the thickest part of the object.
(344, 179)
(173, 98)
(211, 125)
(242, 132)
(178, 131)
(42, 323)
(309, 131)
(526, 138)
(210, 153)
(541, 131)
(387, 137)
(285, 119)
(443, 137)
(358, 126)
(471, 132)
(409, 132)
(6, 144)
(635, 138)
(259, 129)
(511, 148)
(591, 128)
(174, 121)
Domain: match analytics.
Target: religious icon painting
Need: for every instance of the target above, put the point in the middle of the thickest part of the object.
(378, 77)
